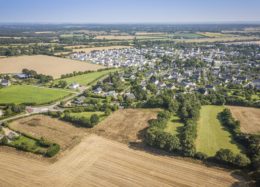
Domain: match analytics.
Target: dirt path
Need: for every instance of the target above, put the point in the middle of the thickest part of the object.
(100, 162)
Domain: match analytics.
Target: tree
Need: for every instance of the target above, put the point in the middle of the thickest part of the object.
(241, 160)
(94, 119)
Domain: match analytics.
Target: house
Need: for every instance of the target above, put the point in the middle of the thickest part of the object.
(1, 113)
(12, 135)
(256, 84)
(130, 96)
(22, 76)
(97, 90)
(210, 87)
(111, 93)
(5, 82)
(80, 100)
(74, 86)
(1, 136)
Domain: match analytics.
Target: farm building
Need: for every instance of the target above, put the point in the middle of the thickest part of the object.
(74, 86)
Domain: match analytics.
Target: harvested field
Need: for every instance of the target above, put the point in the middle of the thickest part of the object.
(62, 133)
(89, 49)
(115, 37)
(47, 65)
(100, 162)
(125, 125)
(249, 118)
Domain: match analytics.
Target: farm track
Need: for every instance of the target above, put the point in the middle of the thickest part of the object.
(100, 162)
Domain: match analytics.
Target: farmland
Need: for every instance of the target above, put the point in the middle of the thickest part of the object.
(88, 78)
(97, 161)
(62, 133)
(249, 118)
(212, 136)
(46, 65)
(125, 125)
(31, 94)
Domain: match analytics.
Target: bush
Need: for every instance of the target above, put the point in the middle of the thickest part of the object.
(94, 119)
(201, 156)
(44, 143)
(52, 150)
(241, 160)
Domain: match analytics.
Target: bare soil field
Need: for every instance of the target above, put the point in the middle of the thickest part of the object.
(100, 162)
(249, 118)
(125, 125)
(89, 49)
(47, 65)
(62, 133)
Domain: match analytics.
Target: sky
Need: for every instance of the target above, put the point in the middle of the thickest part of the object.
(129, 11)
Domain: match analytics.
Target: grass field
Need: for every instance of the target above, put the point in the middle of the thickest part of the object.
(212, 136)
(47, 65)
(88, 115)
(249, 118)
(174, 125)
(88, 78)
(30, 94)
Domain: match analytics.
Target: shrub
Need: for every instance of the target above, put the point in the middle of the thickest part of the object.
(52, 150)
(201, 156)
(94, 119)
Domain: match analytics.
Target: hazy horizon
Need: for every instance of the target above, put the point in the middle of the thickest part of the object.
(129, 12)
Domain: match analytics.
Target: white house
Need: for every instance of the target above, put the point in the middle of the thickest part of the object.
(74, 86)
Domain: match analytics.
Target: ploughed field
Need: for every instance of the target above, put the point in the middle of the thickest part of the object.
(31, 94)
(249, 118)
(46, 65)
(97, 161)
(212, 136)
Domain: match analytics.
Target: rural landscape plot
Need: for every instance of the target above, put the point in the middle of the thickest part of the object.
(212, 136)
(46, 65)
(249, 118)
(97, 161)
(19, 94)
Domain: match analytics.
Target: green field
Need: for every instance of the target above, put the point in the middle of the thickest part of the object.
(212, 136)
(30, 94)
(174, 125)
(88, 78)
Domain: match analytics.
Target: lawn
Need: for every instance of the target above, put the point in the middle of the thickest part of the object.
(174, 125)
(212, 136)
(30, 94)
(88, 78)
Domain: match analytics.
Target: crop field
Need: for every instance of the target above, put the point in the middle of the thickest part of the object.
(219, 39)
(31, 94)
(212, 136)
(54, 130)
(249, 118)
(128, 37)
(174, 125)
(213, 34)
(47, 65)
(125, 125)
(89, 49)
(100, 162)
(88, 78)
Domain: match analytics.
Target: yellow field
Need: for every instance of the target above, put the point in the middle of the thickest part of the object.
(100, 162)
(44, 64)
(214, 34)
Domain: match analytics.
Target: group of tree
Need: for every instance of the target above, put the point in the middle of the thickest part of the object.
(33, 74)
